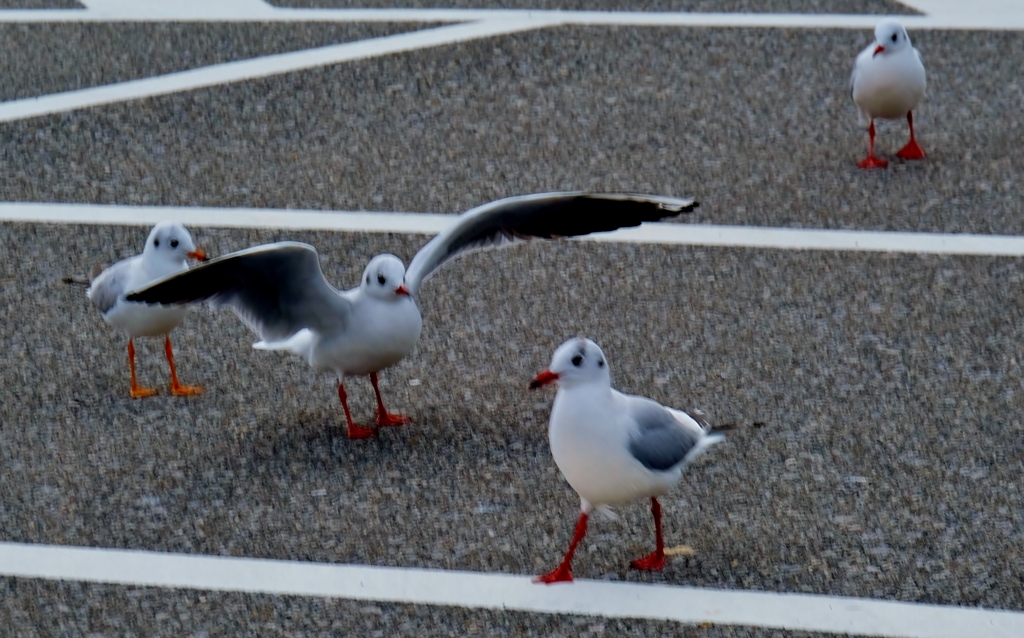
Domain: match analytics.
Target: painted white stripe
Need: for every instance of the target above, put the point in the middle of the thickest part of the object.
(259, 67)
(432, 223)
(940, 14)
(798, 612)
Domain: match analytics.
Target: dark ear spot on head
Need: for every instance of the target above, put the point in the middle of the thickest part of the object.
(367, 280)
(156, 242)
(600, 363)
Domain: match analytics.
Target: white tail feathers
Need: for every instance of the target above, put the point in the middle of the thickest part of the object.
(702, 445)
(301, 343)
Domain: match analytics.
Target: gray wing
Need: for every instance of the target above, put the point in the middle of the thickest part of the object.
(544, 216)
(110, 285)
(660, 442)
(277, 289)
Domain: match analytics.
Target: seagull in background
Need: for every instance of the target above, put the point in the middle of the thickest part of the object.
(888, 82)
(613, 448)
(167, 248)
(280, 292)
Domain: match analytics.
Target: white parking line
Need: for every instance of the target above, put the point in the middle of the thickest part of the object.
(798, 612)
(260, 67)
(939, 14)
(431, 224)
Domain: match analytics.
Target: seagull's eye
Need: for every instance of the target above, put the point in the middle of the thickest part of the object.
(380, 279)
(156, 242)
(174, 243)
(895, 37)
(577, 360)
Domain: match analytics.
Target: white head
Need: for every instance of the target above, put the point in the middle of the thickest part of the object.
(890, 37)
(384, 278)
(576, 362)
(170, 242)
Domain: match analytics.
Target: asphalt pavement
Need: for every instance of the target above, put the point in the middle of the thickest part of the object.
(876, 446)
(757, 123)
(877, 450)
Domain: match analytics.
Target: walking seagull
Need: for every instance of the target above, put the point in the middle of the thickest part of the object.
(888, 82)
(167, 248)
(280, 292)
(613, 448)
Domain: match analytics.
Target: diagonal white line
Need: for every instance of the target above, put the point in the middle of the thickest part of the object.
(261, 67)
(800, 612)
(939, 14)
(431, 224)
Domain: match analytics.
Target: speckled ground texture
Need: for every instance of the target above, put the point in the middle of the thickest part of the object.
(878, 451)
(40, 4)
(758, 123)
(66, 609)
(39, 59)
(878, 448)
(757, 6)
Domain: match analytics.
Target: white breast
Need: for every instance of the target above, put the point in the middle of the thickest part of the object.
(144, 320)
(590, 444)
(379, 335)
(141, 320)
(888, 86)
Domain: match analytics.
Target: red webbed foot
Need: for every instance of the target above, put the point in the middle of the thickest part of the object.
(911, 151)
(650, 563)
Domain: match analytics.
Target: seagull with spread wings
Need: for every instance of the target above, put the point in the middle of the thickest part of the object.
(280, 292)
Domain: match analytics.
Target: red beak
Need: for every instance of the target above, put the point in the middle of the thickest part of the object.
(543, 378)
(197, 254)
(402, 290)
(878, 50)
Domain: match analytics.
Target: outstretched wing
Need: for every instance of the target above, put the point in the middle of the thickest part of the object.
(277, 289)
(545, 216)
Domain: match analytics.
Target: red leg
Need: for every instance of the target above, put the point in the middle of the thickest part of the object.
(563, 573)
(911, 151)
(385, 418)
(136, 391)
(177, 389)
(354, 431)
(871, 161)
(656, 559)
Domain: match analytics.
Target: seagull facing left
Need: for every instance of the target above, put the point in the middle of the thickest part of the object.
(888, 82)
(167, 248)
(613, 448)
(280, 292)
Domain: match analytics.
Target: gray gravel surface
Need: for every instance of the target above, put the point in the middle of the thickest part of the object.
(40, 4)
(756, 122)
(758, 6)
(53, 609)
(37, 59)
(879, 446)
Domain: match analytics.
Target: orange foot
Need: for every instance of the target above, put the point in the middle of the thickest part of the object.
(179, 390)
(560, 575)
(387, 419)
(141, 393)
(356, 432)
(911, 151)
(650, 563)
(873, 162)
